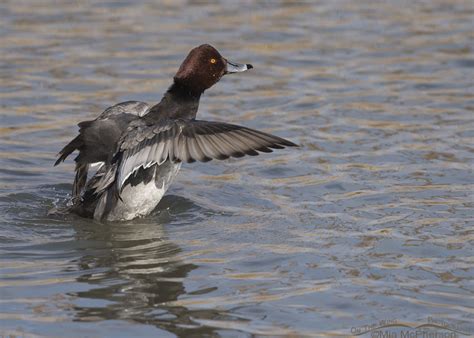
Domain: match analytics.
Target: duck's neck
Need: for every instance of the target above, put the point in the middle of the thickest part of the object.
(178, 102)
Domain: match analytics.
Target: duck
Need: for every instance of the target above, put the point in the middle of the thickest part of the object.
(138, 149)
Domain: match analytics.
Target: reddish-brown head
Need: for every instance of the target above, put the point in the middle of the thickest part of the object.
(203, 67)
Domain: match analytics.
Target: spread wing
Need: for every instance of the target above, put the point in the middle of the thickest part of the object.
(190, 141)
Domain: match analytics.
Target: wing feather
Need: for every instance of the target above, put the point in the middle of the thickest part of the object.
(252, 142)
(167, 143)
(153, 153)
(233, 145)
(189, 141)
(208, 147)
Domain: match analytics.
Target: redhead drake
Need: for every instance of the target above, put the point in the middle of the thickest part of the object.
(140, 148)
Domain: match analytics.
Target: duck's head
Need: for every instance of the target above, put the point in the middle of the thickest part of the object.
(203, 67)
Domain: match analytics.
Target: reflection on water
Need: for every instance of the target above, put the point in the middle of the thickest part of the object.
(369, 220)
(132, 276)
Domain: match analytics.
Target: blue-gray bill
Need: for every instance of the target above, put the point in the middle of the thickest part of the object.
(232, 67)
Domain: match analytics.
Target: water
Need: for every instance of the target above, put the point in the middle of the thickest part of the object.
(370, 220)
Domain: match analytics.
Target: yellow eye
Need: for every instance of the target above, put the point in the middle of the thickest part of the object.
(213, 61)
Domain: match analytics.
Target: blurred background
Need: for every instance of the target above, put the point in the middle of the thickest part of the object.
(370, 220)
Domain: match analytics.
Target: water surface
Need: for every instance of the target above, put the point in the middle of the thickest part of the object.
(371, 219)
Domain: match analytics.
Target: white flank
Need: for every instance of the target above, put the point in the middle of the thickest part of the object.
(141, 199)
